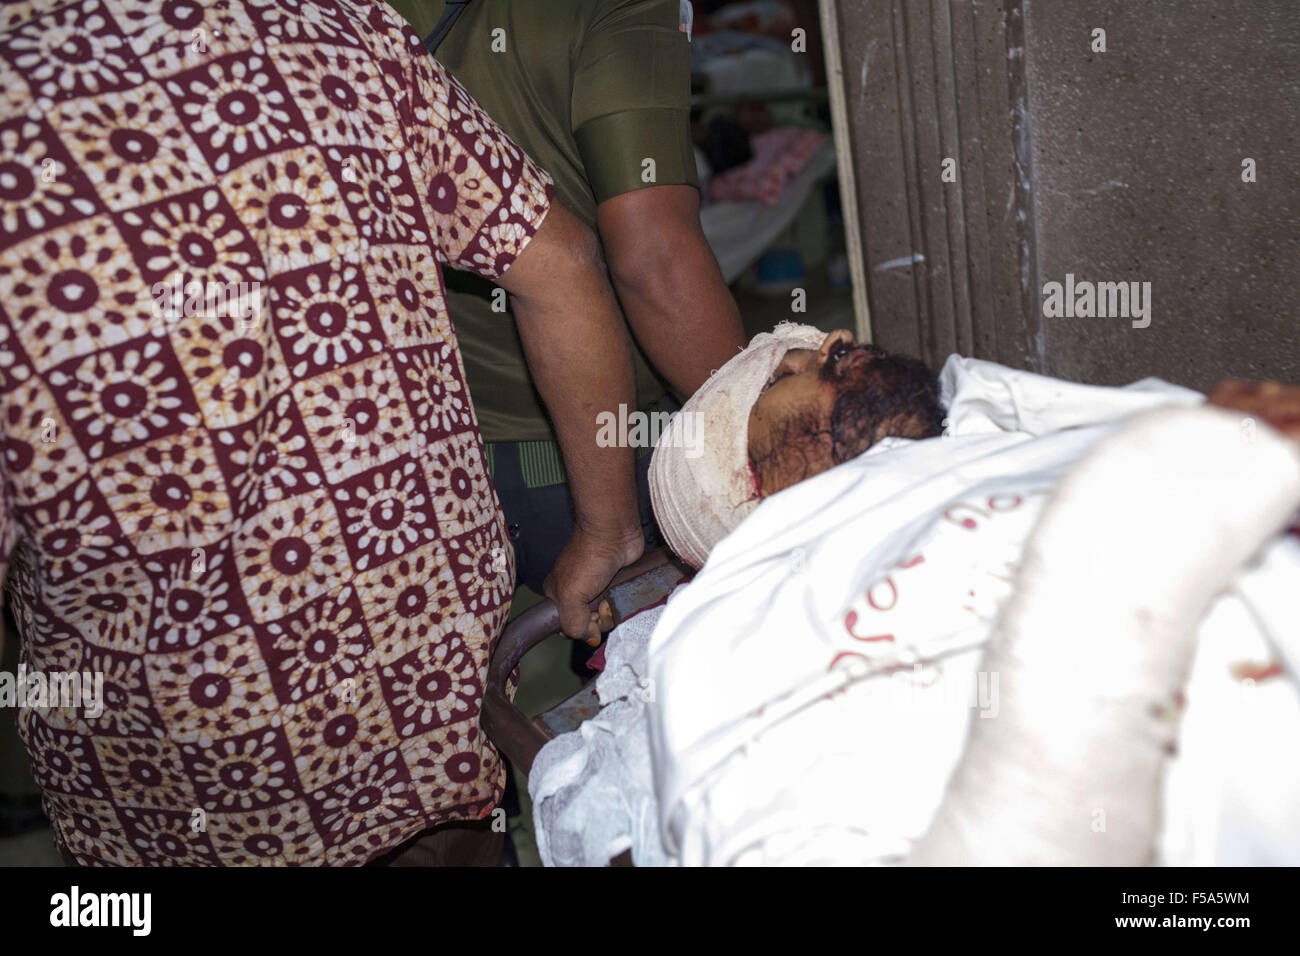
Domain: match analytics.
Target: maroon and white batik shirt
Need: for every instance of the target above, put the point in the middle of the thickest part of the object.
(242, 476)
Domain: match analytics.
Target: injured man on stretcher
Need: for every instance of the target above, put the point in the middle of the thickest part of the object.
(984, 617)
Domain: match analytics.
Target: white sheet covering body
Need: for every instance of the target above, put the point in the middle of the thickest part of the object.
(810, 691)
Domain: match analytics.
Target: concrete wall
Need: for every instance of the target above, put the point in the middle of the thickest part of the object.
(1123, 165)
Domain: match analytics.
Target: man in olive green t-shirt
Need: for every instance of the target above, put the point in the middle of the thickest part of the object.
(597, 92)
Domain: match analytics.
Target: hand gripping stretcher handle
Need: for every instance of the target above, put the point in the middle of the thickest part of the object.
(639, 585)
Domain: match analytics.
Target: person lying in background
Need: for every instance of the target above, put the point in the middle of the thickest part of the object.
(598, 94)
(242, 480)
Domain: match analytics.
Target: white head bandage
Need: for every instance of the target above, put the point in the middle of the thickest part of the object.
(702, 489)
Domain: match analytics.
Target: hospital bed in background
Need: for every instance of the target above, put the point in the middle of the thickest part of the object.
(740, 232)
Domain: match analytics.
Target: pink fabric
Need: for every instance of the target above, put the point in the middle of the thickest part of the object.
(779, 155)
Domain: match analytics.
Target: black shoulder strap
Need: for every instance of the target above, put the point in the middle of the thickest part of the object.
(448, 20)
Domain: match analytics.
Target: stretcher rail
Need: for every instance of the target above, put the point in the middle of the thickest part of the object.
(520, 737)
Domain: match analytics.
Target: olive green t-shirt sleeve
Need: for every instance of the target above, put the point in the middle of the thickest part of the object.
(632, 99)
(422, 15)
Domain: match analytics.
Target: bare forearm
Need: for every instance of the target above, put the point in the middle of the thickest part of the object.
(669, 284)
(580, 359)
(581, 362)
(685, 343)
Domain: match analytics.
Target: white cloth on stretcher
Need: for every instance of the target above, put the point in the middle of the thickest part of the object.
(811, 689)
(591, 789)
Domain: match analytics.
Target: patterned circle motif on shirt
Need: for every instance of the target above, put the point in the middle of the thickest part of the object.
(239, 451)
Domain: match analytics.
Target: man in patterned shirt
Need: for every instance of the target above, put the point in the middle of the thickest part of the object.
(243, 482)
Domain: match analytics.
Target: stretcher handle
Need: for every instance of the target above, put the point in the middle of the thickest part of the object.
(512, 731)
(541, 621)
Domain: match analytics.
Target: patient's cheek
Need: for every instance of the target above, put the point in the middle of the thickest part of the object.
(789, 437)
(789, 462)
(759, 440)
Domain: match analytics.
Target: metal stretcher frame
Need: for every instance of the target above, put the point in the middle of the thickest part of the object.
(519, 737)
(646, 582)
